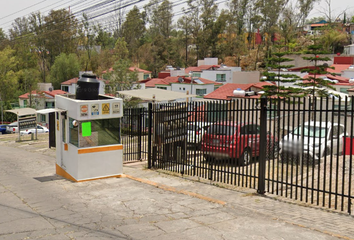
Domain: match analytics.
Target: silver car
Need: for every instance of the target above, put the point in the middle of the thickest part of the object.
(316, 139)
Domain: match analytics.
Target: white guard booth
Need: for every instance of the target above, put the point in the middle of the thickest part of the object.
(88, 138)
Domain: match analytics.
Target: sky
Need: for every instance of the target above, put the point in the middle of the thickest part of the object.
(13, 9)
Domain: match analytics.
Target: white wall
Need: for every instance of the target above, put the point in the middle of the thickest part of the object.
(191, 88)
(72, 88)
(211, 75)
(348, 73)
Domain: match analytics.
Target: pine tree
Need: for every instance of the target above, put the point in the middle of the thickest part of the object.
(280, 77)
(314, 84)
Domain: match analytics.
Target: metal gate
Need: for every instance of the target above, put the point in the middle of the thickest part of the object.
(134, 134)
(301, 149)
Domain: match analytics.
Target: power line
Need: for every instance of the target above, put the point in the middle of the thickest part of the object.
(22, 9)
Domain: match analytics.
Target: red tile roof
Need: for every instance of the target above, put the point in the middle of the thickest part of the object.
(338, 68)
(261, 84)
(225, 92)
(70, 81)
(41, 94)
(192, 69)
(139, 70)
(338, 78)
(74, 81)
(153, 81)
(168, 80)
(132, 69)
(200, 68)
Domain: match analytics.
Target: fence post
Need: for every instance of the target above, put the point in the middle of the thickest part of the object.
(262, 147)
(140, 132)
(149, 134)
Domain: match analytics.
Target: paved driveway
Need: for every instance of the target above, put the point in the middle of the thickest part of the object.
(36, 204)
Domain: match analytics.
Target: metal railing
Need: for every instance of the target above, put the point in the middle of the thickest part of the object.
(298, 148)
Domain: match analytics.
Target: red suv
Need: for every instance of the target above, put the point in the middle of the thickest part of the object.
(229, 140)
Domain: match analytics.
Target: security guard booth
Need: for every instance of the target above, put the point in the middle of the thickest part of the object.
(88, 136)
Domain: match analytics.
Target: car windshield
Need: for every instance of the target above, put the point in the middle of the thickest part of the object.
(311, 131)
(221, 130)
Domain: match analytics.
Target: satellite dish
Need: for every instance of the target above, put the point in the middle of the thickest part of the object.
(180, 80)
(178, 68)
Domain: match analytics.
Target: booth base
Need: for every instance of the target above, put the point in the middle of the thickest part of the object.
(61, 172)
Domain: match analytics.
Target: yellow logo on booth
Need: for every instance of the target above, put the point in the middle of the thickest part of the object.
(105, 108)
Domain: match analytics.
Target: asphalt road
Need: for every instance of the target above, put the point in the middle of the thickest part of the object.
(146, 204)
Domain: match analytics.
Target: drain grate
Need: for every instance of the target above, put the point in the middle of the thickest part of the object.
(48, 178)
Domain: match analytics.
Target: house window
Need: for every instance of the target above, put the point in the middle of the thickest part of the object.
(221, 77)
(197, 75)
(200, 92)
(164, 88)
(146, 76)
(49, 105)
(43, 118)
(343, 90)
(65, 88)
(25, 103)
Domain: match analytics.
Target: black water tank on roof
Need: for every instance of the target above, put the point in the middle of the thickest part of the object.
(87, 87)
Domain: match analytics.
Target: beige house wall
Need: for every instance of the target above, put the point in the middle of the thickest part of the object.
(246, 77)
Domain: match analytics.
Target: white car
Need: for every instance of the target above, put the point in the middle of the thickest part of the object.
(40, 129)
(195, 132)
(318, 139)
(12, 127)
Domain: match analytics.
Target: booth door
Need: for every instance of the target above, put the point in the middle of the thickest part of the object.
(52, 129)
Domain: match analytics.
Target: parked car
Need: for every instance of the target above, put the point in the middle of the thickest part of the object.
(3, 129)
(318, 139)
(195, 132)
(229, 140)
(40, 129)
(12, 128)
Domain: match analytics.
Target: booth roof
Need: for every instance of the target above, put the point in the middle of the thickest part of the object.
(49, 110)
(22, 111)
(160, 94)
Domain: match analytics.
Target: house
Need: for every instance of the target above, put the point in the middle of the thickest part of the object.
(246, 77)
(40, 100)
(217, 73)
(226, 92)
(199, 86)
(142, 74)
(70, 85)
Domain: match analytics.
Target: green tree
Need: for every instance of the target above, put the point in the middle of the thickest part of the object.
(59, 34)
(120, 49)
(332, 40)
(103, 38)
(121, 78)
(133, 31)
(160, 19)
(315, 84)
(277, 63)
(65, 67)
(8, 76)
(87, 39)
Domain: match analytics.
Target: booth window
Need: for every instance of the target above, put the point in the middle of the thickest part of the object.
(63, 130)
(73, 133)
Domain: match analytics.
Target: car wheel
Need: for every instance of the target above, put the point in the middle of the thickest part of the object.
(246, 157)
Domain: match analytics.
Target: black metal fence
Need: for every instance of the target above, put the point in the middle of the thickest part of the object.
(302, 149)
(134, 134)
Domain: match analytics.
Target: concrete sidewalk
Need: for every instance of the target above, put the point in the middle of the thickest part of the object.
(36, 204)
